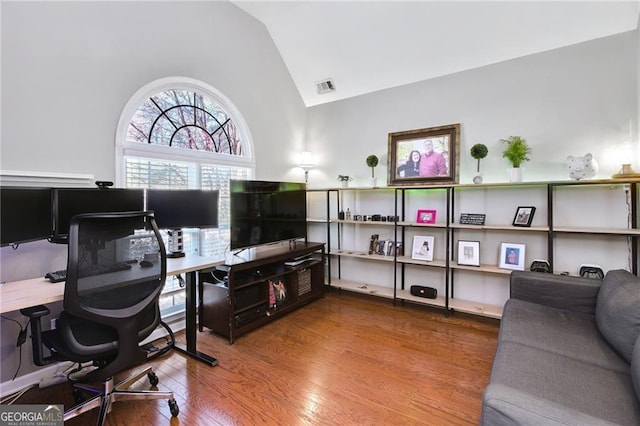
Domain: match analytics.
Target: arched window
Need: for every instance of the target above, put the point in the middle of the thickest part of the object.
(180, 133)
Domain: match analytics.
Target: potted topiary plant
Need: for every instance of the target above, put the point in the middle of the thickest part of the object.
(372, 161)
(517, 152)
(478, 152)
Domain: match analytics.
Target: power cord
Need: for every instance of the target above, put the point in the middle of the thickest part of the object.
(22, 337)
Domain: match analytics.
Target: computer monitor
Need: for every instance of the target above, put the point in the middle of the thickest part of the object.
(68, 202)
(175, 209)
(184, 208)
(25, 215)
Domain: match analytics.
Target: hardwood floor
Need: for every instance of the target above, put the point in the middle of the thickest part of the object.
(342, 360)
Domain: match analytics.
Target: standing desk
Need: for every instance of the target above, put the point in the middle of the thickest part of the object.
(17, 295)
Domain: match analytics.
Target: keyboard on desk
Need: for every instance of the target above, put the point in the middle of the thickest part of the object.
(61, 275)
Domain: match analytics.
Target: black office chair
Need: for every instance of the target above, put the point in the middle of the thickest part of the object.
(110, 306)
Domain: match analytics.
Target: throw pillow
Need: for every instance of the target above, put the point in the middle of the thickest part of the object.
(618, 311)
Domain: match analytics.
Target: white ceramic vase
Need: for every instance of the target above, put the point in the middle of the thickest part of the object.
(515, 174)
(374, 182)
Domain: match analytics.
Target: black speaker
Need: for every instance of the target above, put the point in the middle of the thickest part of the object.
(422, 291)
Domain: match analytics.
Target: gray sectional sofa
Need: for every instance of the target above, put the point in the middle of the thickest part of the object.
(568, 352)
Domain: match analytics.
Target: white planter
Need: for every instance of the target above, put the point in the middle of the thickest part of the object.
(344, 183)
(374, 182)
(515, 174)
(477, 177)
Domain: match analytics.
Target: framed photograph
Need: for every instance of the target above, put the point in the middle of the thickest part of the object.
(524, 216)
(422, 247)
(512, 256)
(426, 216)
(424, 156)
(469, 253)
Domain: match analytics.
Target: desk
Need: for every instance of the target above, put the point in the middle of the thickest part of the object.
(39, 291)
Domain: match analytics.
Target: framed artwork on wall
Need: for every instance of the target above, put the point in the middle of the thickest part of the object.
(422, 247)
(469, 253)
(512, 256)
(424, 156)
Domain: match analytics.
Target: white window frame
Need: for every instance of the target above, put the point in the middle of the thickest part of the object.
(137, 149)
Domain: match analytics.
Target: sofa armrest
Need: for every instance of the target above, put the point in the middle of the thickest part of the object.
(558, 291)
(502, 406)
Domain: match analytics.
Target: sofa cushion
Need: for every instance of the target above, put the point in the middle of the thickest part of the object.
(560, 331)
(598, 392)
(618, 311)
(635, 368)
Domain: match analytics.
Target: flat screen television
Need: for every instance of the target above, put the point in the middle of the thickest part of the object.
(267, 212)
(183, 208)
(68, 202)
(25, 215)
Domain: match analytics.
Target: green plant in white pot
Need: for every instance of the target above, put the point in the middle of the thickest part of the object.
(517, 152)
(478, 152)
(372, 161)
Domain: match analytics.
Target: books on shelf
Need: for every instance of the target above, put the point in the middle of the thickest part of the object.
(384, 247)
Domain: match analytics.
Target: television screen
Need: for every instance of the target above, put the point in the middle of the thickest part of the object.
(266, 212)
(25, 215)
(184, 208)
(68, 202)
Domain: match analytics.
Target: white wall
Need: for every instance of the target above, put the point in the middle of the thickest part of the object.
(68, 69)
(573, 100)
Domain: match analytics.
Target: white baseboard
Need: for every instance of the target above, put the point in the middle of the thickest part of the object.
(176, 323)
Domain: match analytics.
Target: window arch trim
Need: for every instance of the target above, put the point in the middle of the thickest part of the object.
(125, 148)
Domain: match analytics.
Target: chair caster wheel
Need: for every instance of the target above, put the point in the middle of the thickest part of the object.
(153, 378)
(78, 396)
(173, 407)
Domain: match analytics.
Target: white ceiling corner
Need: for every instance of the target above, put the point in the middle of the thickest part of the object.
(367, 46)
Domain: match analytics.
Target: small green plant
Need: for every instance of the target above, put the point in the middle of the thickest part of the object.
(344, 178)
(372, 161)
(517, 150)
(479, 151)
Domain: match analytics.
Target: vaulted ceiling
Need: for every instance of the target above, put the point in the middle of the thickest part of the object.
(365, 46)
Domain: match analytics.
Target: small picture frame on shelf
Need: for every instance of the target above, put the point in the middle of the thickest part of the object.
(426, 216)
(512, 256)
(423, 247)
(469, 253)
(524, 216)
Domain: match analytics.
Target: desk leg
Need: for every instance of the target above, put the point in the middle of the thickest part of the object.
(191, 327)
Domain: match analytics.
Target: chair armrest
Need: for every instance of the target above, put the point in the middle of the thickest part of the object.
(35, 313)
(558, 291)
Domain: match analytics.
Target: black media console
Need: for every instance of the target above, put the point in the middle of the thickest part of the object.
(260, 286)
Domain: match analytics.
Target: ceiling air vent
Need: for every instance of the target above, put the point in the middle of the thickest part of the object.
(325, 86)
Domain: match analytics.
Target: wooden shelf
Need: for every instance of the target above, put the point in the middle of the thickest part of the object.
(363, 288)
(476, 308)
(363, 222)
(406, 295)
(501, 228)
(611, 231)
(361, 255)
(422, 225)
(492, 269)
(316, 220)
(435, 263)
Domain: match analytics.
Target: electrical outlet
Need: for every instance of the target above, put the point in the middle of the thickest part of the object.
(54, 323)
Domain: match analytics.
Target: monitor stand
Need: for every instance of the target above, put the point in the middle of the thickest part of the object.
(175, 248)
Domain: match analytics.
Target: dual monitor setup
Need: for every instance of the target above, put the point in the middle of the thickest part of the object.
(260, 212)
